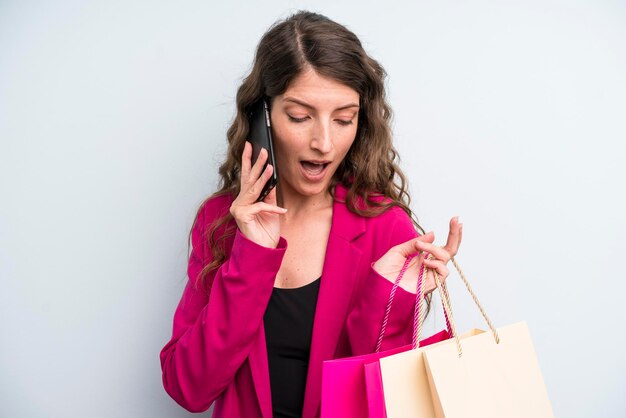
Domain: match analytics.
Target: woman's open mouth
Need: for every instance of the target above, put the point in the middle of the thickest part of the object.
(314, 170)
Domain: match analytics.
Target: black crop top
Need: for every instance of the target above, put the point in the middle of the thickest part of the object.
(288, 323)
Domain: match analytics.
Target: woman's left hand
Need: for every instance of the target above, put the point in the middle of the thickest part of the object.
(390, 264)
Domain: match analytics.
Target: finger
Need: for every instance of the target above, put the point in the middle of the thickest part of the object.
(260, 207)
(256, 189)
(439, 266)
(271, 197)
(257, 168)
(454, 236)
(437, 252)
(427, 237)
(409, 247)
(246, 156)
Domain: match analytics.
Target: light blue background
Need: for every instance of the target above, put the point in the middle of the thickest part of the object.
(112, 123)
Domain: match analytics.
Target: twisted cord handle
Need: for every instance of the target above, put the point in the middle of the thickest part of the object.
(418, 314)
(447, 307)
(390, 301)
(444, 287)
(482, 311)
(419, 311)
(445, 299)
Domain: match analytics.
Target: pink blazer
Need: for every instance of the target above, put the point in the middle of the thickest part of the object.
(217, 352)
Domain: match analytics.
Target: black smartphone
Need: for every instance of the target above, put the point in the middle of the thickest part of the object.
(261, 137)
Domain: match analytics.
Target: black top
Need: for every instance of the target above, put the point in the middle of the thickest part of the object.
(288, 324)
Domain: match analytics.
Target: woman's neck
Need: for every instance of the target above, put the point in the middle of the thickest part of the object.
(299, 206)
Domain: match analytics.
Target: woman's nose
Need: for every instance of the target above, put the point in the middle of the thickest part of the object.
(321, 139)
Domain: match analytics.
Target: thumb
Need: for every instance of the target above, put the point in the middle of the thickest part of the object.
(409, 247)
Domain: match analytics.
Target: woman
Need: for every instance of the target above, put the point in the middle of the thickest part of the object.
(279, 286)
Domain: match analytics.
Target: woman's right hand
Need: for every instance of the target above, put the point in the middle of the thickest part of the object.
(258, 221)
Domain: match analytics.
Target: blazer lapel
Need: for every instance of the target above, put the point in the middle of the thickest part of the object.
(337, 284)
(259, 369)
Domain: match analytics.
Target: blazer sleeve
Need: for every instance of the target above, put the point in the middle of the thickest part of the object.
(214, 330)
(365, 319)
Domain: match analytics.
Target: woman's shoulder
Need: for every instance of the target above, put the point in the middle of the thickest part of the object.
(212, 208)
(387, 221)
(210, 211)
(392, 219)
(392, 212)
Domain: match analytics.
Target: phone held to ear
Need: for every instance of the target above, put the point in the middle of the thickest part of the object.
(261, 137)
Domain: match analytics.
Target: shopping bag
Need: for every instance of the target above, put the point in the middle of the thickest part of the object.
(489, 379)
(404, 372)
(398, 384)
(344, 393)
(490, 375)
(343, 385)
(411, 371)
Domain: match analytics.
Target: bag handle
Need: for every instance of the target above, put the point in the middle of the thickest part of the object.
(446, 302)
(418, 315)
(447, 307)
(480, 308)
(390, 301)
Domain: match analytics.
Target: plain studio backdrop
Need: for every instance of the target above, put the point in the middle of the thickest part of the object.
(113, 114)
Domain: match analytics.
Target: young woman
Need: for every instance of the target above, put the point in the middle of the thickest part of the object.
(278, 286)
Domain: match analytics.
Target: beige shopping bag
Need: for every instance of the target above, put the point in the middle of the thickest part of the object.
(404, 378)
(405, 381)
(488, 379)
(491, 375)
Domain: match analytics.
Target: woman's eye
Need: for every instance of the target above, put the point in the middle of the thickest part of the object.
(293, 119)
(302, 119)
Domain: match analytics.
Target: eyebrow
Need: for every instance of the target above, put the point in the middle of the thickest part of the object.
(301, 103)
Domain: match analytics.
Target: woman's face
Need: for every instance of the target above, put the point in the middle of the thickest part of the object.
(314, 124)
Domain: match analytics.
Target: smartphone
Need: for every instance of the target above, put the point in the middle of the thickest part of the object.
(261, 137)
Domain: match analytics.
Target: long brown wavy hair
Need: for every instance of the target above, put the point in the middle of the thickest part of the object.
(304, 41)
